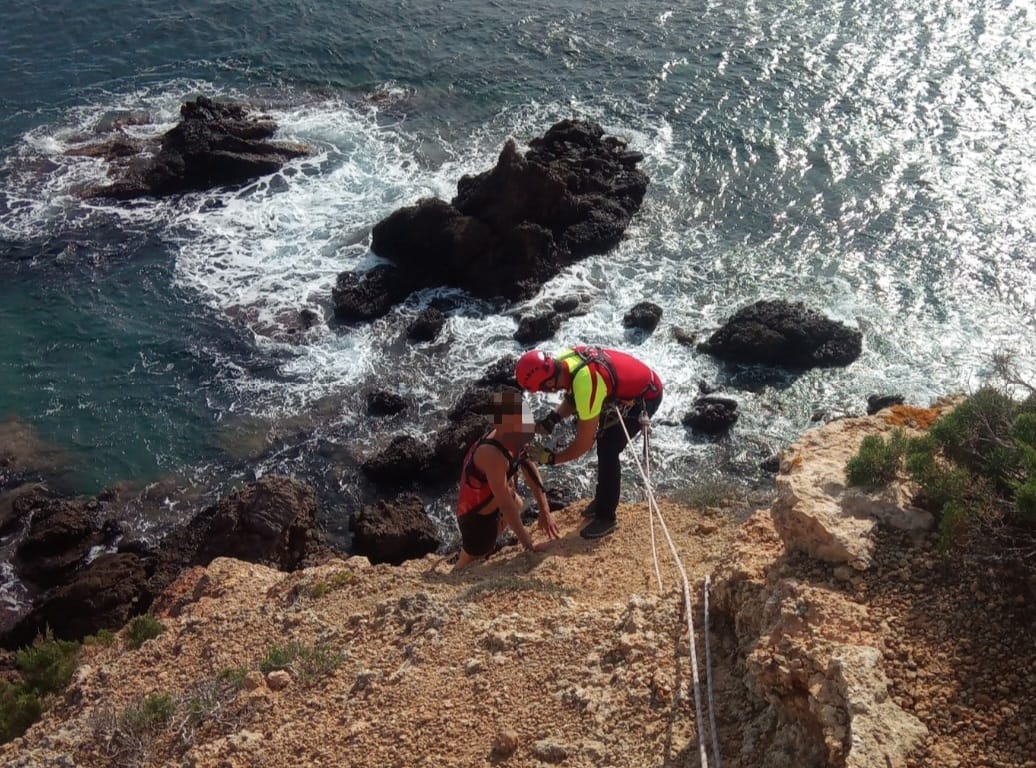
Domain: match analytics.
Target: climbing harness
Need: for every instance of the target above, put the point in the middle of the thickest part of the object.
(656, 513)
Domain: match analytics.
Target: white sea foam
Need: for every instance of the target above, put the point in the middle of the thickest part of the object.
(263, 253)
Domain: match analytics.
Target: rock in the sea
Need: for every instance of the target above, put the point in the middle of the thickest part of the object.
(427, 325)
(512, 228)
(214, 144)
(782, 333)
(711, 414)
(644, 316)
(391, 532)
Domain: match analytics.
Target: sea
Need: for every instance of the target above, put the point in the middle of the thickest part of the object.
(874, 159)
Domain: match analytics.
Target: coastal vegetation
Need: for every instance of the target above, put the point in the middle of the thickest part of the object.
(974, 469)
(45, 668)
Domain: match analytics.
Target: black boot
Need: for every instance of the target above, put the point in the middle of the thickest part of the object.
(598, 527)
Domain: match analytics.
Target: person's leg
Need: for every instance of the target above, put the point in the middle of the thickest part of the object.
(463, 559)
(610, 444)
(609, 472)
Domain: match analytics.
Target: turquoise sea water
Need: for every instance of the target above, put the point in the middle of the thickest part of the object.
(873, 159)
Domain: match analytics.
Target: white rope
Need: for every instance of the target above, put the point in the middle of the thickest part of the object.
(654, 510)
(645, 427)
(708, 677)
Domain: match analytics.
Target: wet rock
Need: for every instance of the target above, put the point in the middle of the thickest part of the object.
(510, 229)
(391, 532)
(534, 328)
(427, 325)
(500, 374)
(271, 521)
(452, 441)
(782, 333)
(771, 464)
(644, 316)
(61, 533)
(214, 144)
(366, 295)
(103, 595)
(384, 403)
(711, 414)
(684, 337)
(405, 461)
(13, 515)
(876, 403)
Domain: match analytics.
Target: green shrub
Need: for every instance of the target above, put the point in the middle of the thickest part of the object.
(975, 435)
(47, 665)
(146, 716)
(306, 663)
(19, 708)
(104, 638)
(1025, 499)
(877, 460)
(142, 629)
(232, 677)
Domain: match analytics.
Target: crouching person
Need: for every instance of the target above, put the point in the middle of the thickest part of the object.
(488, 501)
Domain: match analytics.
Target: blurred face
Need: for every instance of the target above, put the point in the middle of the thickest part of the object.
(516, 422)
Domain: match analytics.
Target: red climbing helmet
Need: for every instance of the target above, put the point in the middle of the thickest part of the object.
(535, 368)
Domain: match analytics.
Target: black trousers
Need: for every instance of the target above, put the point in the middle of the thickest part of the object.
(610, 444)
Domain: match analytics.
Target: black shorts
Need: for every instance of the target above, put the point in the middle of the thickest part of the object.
(478, 532)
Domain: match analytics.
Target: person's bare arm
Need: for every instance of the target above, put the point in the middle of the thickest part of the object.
(546, 517)
(495, 467)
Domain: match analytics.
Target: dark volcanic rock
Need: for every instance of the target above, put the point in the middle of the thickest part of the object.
(214, 144)
(427, 325)
(391, 532)
(405, 461)
(61, 533)
(453, 440)
(512, 228)
(103, 595)
(684, 337)
(644, 315)
(383, 403)
(366, 295)
(534, 328)
(711, 414)
(784, 334)
(876, 403)
(271, 521)
(500, 374)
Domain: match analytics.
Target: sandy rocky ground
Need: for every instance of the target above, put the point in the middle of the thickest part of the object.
(574, 657)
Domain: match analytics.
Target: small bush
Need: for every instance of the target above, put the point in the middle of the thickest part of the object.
(104, 638)
(1025, 499)
(47, 665)
(877, 460)
(975, 435)
(338, 580)
(19, 708)
(142, 629)
(308, 664)
(149, 715)
(232, 677)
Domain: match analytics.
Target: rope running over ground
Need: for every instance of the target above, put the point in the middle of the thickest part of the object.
(655, 512)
